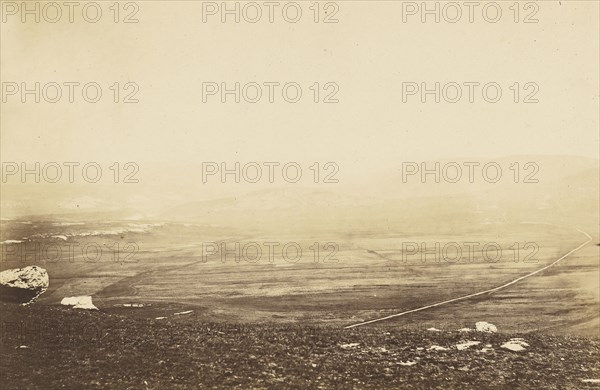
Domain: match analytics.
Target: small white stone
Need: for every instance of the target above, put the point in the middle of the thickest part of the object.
(467, 344)
(483, 326)
(516, 345)
(407, 363)
(437, 348)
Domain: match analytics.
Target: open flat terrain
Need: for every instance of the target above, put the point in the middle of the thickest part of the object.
(363, 276)
(173, 316)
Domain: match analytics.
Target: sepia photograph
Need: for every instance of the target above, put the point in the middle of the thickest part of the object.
(309, 194)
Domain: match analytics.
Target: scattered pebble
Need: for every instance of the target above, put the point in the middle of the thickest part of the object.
(437, 348)
(407, 363)
(350, 345)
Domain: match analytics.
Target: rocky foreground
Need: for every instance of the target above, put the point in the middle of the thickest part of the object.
(50, 347)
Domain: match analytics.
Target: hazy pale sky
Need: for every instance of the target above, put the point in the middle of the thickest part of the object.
(369, 54)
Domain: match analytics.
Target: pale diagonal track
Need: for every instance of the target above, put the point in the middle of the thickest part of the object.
(514, 281)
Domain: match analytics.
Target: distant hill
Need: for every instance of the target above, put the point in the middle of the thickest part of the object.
(567, 193)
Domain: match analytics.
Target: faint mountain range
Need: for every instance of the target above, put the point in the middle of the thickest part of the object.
(567, 192)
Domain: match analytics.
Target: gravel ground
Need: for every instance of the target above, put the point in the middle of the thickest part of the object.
(50, 347)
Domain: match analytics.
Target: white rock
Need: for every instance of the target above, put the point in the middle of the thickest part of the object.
(434, 330)
(407, 363)
(350, 345)
(437, 348)
(183, 312)
(483, 326)
(11, 242)
(465, 330)
(516, 345)
(467, 344)
(23, 285)
(81, 302)
(590, 380)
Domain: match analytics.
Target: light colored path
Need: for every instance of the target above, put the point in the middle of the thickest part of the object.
(477, 293)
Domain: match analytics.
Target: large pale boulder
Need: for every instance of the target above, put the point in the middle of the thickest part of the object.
(82, 302)
(23, 285)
